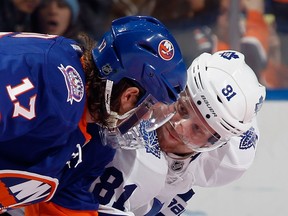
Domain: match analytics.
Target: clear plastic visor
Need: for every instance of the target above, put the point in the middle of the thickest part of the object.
(153, 112)
(146, 118)
(191, 127)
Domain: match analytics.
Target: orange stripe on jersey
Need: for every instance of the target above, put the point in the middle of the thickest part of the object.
(83, 126)
(6, 198)
(49, 208)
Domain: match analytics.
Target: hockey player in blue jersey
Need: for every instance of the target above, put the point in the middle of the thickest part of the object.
(51, 87)
(217, 109)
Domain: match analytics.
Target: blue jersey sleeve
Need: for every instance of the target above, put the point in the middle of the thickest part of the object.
(42, 101)
(73, 191)
(41, 85)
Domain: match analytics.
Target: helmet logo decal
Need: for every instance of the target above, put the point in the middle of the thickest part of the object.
(229, 55)
(209, 105)
(106, 69)
(102, 45)
(259, 104)
(248, 139)
(73, 82)
(166, 50)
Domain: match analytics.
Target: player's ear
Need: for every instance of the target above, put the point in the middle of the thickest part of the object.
(128, 99)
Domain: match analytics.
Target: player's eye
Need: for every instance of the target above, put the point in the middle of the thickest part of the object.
(182, 110)
(197, 129)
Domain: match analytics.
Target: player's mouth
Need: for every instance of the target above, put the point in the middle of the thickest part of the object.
(172, 133)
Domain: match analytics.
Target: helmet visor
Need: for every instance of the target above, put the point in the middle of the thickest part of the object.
(145, 119)
(191, 127)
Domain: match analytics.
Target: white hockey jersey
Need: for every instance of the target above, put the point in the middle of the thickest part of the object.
(149, 182)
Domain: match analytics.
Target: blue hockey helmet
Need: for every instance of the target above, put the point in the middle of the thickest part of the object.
(141, 49)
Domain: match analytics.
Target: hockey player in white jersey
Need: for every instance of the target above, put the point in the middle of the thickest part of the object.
(210, 141)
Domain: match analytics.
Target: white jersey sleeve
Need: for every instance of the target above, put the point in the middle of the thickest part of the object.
(228, 163)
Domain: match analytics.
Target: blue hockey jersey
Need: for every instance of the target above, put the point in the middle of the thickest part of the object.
(73, 191)
(42, 101)
(72, 196)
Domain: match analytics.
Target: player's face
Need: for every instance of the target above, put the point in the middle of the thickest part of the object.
(187, 130)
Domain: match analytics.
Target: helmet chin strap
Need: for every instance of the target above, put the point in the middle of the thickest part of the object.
(108, 92)
(113, 116)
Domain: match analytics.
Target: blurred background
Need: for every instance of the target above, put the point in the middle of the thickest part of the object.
(257, 28)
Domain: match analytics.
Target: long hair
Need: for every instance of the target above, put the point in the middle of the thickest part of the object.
(95, 85)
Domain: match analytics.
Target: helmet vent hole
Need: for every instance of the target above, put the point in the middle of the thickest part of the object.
(228, 124)
(195, 80)
(218, 98)
(148, 49)
(229, 127)
(198, 102)
(171, 94)
(207, 116)
(225, 127)
(200, 80)
(178, 89)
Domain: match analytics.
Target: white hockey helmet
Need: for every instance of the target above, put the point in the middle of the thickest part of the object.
(226, 92)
